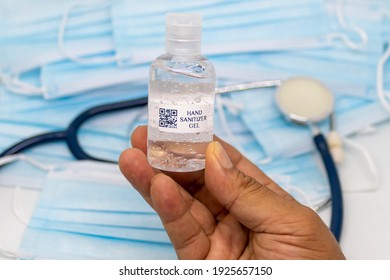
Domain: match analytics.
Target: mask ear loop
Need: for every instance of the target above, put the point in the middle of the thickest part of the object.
(61, 35)
(15, 85)
(14, 207)
(383, 95)
(12, 158)
(233, 108)
(7, 160)
(316, 205)
(367, 156)
(341, 20)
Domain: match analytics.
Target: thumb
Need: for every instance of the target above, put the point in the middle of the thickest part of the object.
(249, 201)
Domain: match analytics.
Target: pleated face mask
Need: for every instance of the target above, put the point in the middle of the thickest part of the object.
(69, 78)
(37, 25)
(31, 36)
(97, 35)
(87, 210)
(80, 73)
(229, 26)
(37, 111)
(349, 66)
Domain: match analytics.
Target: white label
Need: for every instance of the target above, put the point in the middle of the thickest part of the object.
(184, 118)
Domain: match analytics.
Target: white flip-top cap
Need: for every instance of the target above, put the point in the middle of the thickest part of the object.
(183, 33)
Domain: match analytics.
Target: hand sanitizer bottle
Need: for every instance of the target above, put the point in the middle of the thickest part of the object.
(181, 98)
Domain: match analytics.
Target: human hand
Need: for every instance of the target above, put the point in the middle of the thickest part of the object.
(230, 210)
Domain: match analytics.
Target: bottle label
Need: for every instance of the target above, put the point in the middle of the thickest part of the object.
(183, 118)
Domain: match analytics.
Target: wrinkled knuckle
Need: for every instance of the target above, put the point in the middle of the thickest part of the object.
(243, 181)
(245, 185)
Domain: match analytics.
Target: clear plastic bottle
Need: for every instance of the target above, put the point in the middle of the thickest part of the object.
(181, 99)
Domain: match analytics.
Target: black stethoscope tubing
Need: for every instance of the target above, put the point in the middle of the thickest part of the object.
(69, 135)
(337, 215)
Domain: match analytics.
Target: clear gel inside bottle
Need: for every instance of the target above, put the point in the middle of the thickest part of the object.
(181, 99)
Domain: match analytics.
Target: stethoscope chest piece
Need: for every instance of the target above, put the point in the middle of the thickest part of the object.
(304, 100)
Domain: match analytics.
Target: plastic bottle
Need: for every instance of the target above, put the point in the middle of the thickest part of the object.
(181, 98)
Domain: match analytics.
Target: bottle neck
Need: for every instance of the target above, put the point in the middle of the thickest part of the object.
(183, 47)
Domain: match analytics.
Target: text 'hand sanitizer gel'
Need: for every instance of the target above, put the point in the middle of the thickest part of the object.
(181, 98)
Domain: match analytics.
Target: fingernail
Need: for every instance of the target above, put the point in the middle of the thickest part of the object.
(222, 156)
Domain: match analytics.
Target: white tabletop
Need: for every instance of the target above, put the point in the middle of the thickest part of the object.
(366, 229)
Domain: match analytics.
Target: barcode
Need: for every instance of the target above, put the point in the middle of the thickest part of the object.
(168, 118)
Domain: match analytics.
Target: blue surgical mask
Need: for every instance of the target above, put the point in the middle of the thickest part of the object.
(231, 19)
(302, 177)
(19, 12)
(229, 27)
(19, 172)
(36, 110)
(65, 183)
(106, 231)
(69, 78)
(87, 210)
(322, 65)
(32, 40)
(103, 218)
(64, 78)
(361, 25)
(44, 244)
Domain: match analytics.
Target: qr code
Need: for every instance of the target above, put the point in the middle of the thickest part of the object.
(168, 118)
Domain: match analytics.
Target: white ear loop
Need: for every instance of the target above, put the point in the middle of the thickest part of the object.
(12, 158)
(335, 142)
(369, 161)
(341, 20)
(14, 207)
(9, 159)
(382, 94)
(234, 108)
(15, 85)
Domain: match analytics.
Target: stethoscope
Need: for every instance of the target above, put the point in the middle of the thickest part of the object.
(302, 100)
